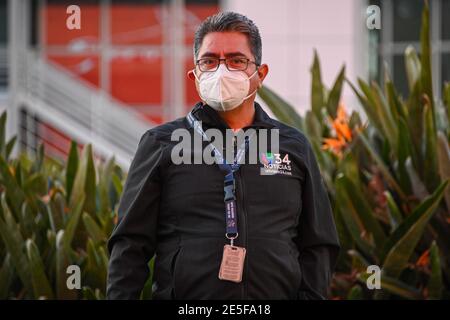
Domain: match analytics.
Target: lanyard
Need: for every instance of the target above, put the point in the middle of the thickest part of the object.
(229, 185)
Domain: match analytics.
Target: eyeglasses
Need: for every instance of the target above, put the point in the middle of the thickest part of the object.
(232, 64)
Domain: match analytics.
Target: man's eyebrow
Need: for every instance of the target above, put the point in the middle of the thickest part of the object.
(227, 55)
(235, 54)
(210, 54)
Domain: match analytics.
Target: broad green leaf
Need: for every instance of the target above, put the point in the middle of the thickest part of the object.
(9, 147)
(62, 262)
(14, 193)
(362, 209)
(72, 224)
(425, 57)
(402, 243)
(117, 182)
(14, 244)
(41, 284)
(6, 277)
(394, 286)
(419, 189)
(356, 293)
(93, 229)
(72, 168)
(335, 94)
(3, 134)
(431, 177)
(85, 182)
(280, 108)
(395, 216)
(317, 88)
(313, 127)
(435, 284)
(443, 153)
(404, 151)
(368, 103)
(412, 66)
(382, 167)
(351, 218)
(385, 116)
(446, 99)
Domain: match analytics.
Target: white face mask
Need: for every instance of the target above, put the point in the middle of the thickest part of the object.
(224, 90)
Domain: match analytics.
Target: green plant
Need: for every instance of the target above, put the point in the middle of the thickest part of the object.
(387, 178)
(53, 216)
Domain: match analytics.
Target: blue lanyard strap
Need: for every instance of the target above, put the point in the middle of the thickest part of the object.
(229, 187)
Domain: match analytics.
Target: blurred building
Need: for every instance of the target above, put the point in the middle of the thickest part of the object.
(125, 69)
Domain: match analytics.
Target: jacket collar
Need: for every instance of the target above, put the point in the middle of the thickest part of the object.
(211, 117)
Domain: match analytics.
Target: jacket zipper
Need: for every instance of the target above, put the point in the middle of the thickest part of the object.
(243, 217)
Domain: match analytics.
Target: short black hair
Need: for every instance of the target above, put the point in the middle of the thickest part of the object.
(230, 21)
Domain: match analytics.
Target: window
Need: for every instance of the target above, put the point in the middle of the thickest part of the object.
(124, 48)
(400, 27)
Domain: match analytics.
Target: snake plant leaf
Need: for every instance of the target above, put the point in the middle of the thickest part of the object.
(382, 166)
(62, 263)
(334, 96)
(14, 193)
(415, 123)
(93, 229)
(41, 284)
(385, 116)
(363, 210)
(404, 151)
(403, 241)
(118, 185)
(425, 57)
(443, 152)
(359, 262)
(9, 147)
(3, 134)
(431, 177)
(394, 286)
(446, 95)
(14, 244)
(72, 168)
(418, 187)
(317, 88)
(72, 224)
(397, 106)
(356, 293)
(6, 276)
(85, 182)
(367, 101)
(280, 108)
(435, 286)
(351, 218)
(395, 216)
(104, 189)
(412, 66)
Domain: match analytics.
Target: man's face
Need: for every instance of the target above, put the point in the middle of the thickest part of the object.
(230, 45)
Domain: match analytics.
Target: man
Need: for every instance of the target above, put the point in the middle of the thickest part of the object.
(280, 240)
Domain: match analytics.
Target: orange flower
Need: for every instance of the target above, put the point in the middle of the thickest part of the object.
(342, 132)
(424, 259)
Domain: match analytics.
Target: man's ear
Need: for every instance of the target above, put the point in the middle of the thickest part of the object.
(263, 70)
(190, 74)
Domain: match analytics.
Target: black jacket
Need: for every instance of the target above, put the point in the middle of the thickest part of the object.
(177, 212)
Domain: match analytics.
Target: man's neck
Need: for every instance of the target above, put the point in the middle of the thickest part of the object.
(239, 117)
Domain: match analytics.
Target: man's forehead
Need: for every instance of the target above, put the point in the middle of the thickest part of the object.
(225, 43)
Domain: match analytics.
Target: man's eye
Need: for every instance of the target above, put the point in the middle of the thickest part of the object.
(208, 62)
(238, 61)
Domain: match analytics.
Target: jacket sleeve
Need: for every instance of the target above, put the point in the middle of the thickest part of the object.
(133, 241)
(317, 237)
